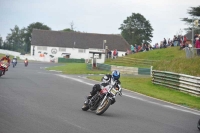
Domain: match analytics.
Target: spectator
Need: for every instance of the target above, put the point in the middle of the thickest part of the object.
(184, 40)
(164, 43)
(195, 36)
(136, 48)
(175, 41)
(132, 49)
(161, 44)
(140, 49)
(143, 48)
(169, 42)
(128, 52)
(114, 53)
(147, 48)
(197, 45)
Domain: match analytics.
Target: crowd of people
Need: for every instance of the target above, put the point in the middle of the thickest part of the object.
(181, 41)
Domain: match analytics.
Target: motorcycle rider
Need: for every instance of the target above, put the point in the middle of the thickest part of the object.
(26, 60)
(14, 58)
(106, 80)
(6, 59)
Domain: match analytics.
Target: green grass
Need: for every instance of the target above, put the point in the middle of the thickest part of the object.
(76, 68)
(144, 86)
(169, 59)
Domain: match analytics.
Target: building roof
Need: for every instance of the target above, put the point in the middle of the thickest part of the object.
(78, 40)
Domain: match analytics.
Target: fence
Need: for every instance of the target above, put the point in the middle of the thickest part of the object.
(182, 82)
(122, 69)
(66, 60)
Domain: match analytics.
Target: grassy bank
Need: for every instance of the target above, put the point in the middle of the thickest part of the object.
(169, 59)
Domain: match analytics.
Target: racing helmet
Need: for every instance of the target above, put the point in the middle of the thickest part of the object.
(115, 75)
(105, 79)
(7, 55)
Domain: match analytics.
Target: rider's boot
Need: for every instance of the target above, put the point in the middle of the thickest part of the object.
(87, 100)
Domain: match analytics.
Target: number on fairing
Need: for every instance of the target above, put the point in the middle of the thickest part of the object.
(114, 92)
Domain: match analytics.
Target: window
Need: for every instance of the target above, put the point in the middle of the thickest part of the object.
(41, 48)
(81, 50)
(62, 49)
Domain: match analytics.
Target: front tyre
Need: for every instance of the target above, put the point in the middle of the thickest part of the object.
(102, 108)
(198, 124)
(1, 73)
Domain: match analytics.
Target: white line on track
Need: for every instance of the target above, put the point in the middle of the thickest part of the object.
(188, 110)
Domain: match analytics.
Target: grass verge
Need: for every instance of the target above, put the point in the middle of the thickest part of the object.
(76, 68)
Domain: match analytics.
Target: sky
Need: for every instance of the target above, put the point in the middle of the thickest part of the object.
(96, 16)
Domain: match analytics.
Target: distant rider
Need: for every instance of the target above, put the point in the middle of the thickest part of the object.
(26, 61)
(14, 58)
(6, 59)
(106, 80)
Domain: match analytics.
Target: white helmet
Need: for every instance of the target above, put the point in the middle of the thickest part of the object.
(105, 79)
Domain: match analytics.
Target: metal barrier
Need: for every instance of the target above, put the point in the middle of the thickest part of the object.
(182, 82)
(122, 69)
(66, 60)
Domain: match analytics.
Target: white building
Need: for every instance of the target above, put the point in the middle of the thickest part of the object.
(47, 45)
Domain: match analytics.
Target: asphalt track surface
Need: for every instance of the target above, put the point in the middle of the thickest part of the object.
(34, 100)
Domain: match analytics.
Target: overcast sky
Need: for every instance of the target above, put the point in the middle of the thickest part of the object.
(96, 16)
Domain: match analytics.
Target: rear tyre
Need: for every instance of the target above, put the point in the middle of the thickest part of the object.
(101, 109)
(198, 124)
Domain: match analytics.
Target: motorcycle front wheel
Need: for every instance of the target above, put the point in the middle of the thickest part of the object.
(102, 108)
(1, 73)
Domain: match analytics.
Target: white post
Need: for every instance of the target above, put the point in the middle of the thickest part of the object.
(151, 71)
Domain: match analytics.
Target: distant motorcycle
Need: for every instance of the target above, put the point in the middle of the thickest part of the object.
(3, 67)
(103, 99)
(26, 63)
(14, 62)
(198, 124)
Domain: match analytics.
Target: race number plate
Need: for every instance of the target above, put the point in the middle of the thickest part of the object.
(114, 92)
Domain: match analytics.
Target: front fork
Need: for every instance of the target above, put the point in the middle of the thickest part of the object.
(105, 97)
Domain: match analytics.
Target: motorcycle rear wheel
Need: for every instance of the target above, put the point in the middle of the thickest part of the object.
(101, 109)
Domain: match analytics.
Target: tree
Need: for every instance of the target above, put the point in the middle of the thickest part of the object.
(194, 12)
(67, 29)
(14, 40)
(136, 29)
(1, 42)
(28, 31)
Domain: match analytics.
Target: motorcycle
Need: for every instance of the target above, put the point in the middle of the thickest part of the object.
(103, 99)
(25, 63)
(14, 62)
(198, 124)
(3, 67)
